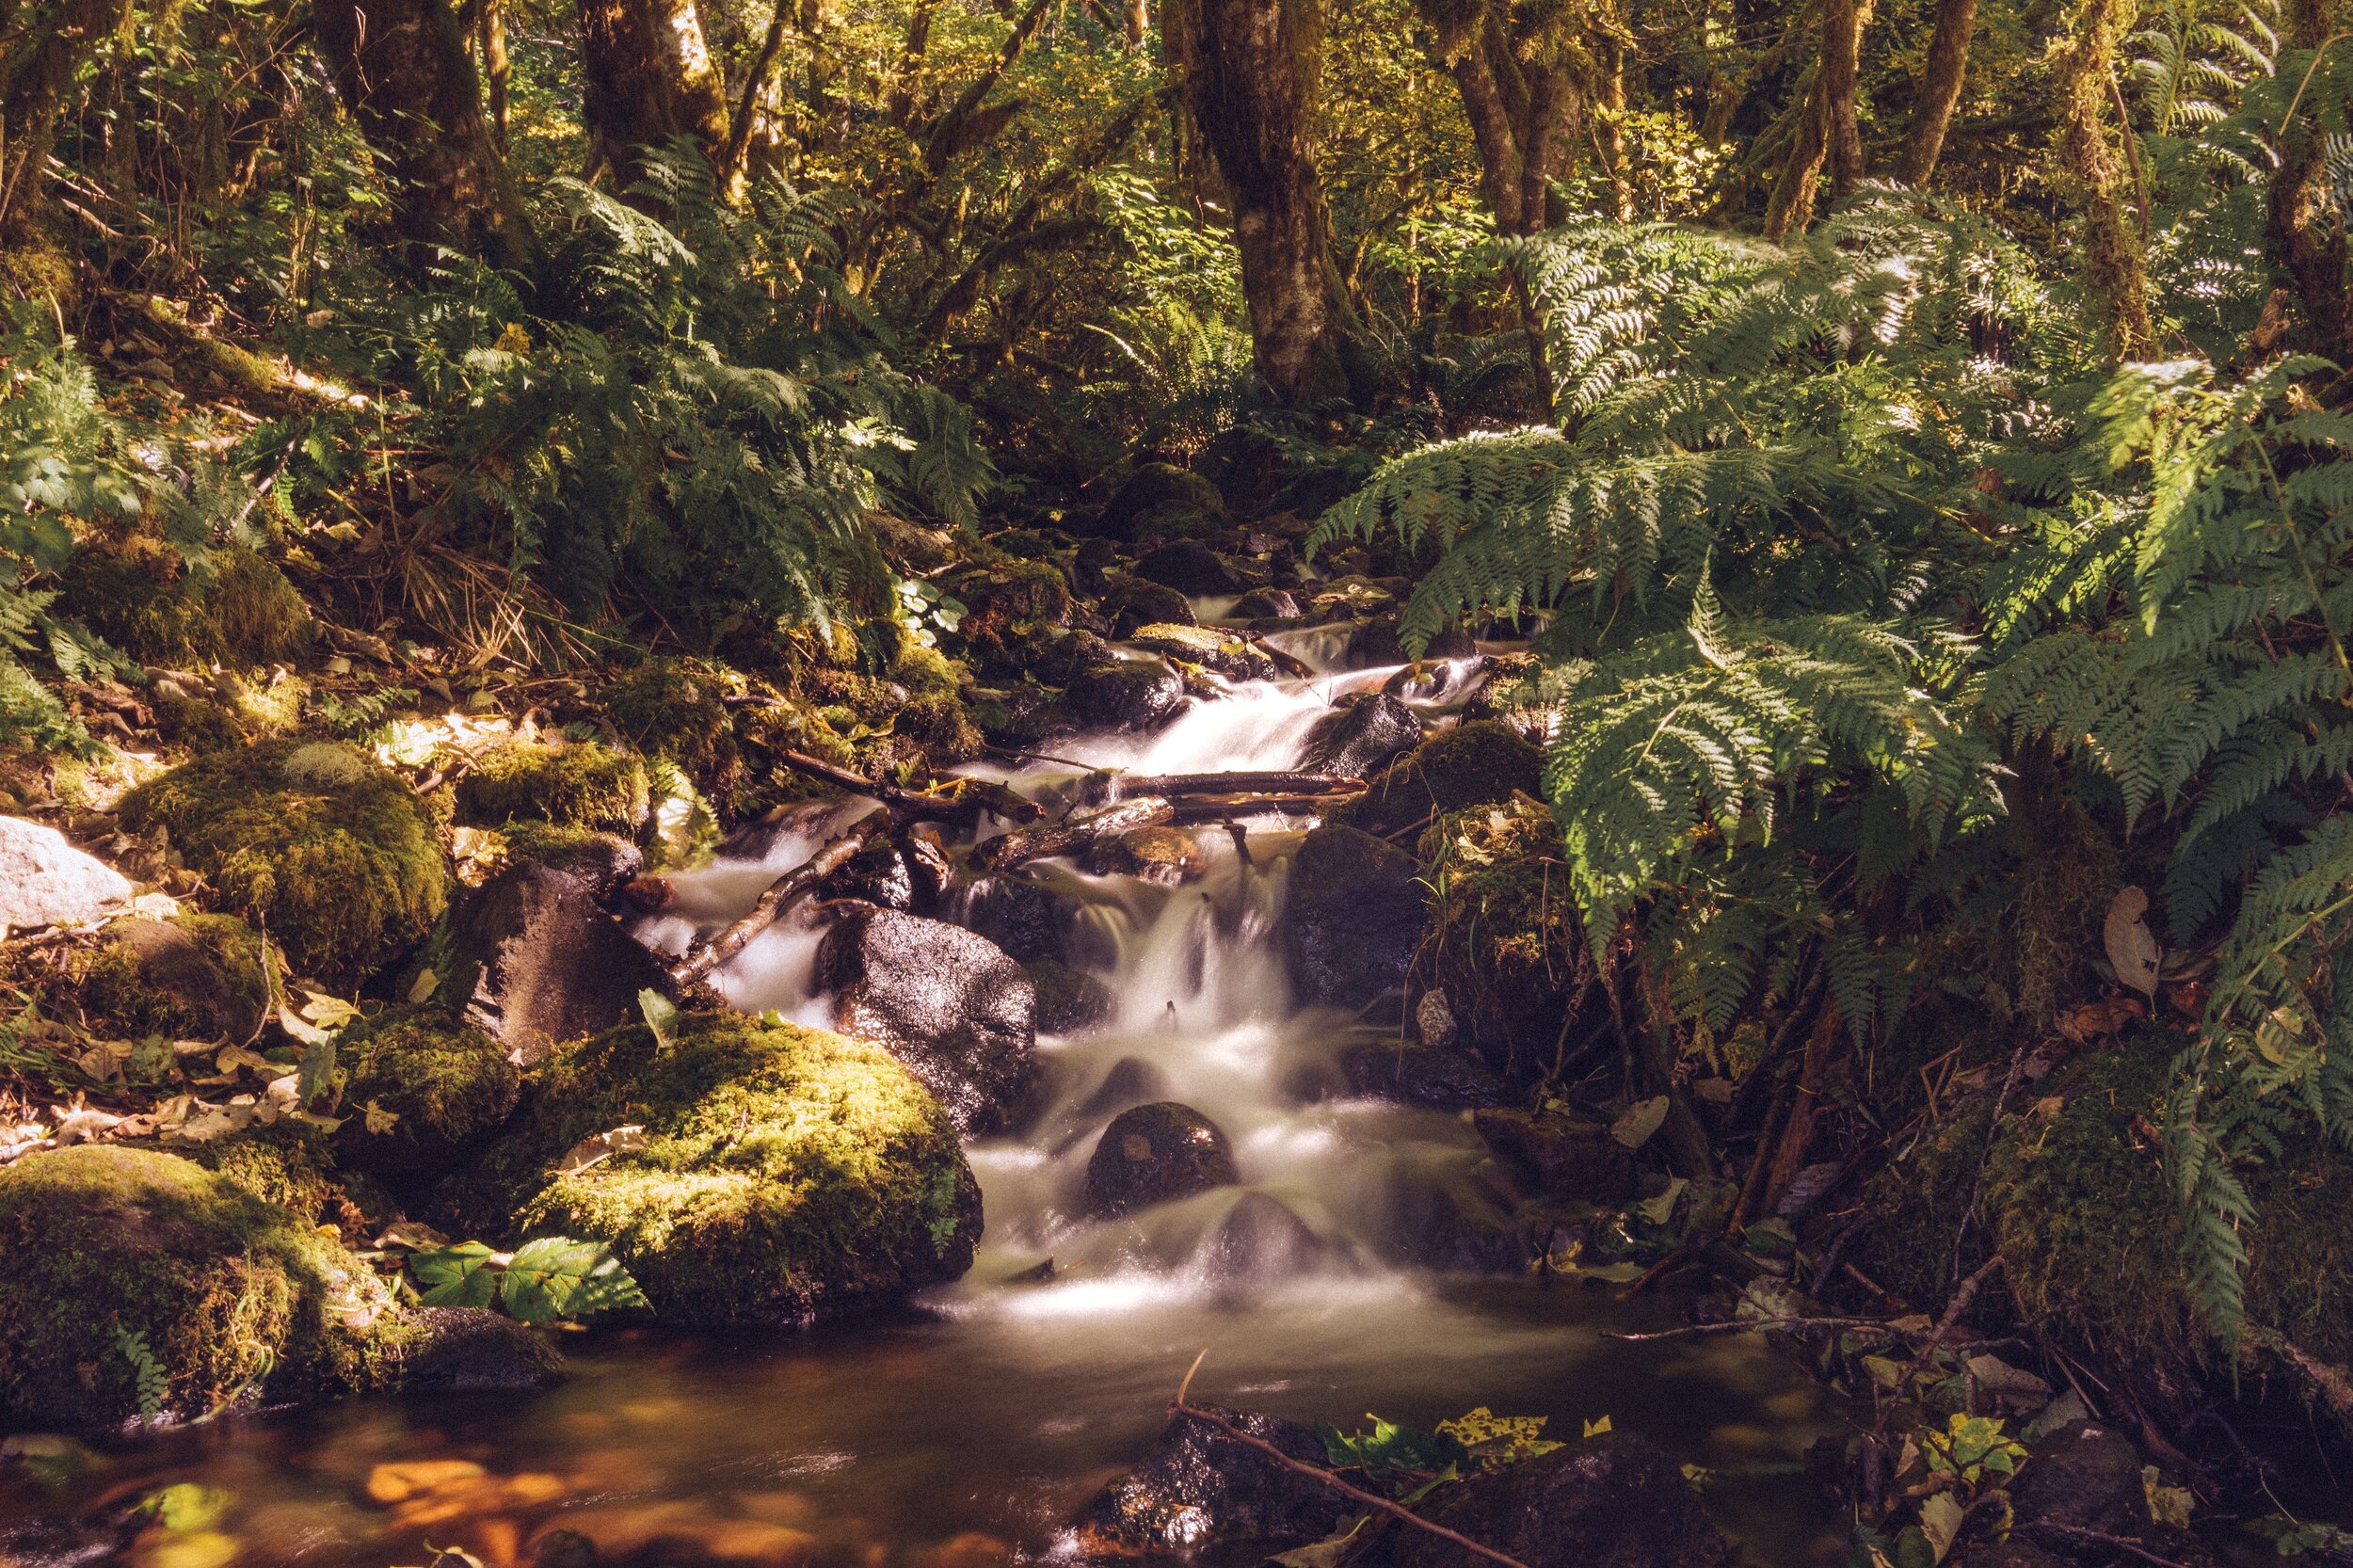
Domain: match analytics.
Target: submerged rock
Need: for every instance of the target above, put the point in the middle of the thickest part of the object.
(786, 1175)
(1355, 917)
(1130, 694)
(1201, 1488)
(1260, 1239)
(1571, 1160)
(949, 1004)
(448, 1086)
(1360, 739)
(1612, 1502)
(1156, 1154)
(533, 960)
(46, 881)
(1423, 1074)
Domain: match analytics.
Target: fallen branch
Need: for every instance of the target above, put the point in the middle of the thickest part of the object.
(784, 892)
(1116, 786)
(1317, 1473)
(2101, 1538)
(1025, 844)
(1217, 809)
(961, 798)
(1753, 1325)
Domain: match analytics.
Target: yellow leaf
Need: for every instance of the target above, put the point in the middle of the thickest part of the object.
(379, 1121)
(327, 1012)
(422, 989)
(1595, 1427)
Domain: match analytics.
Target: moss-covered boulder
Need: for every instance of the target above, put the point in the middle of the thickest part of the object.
(448, 1087)
(133, 1281)
(1475, 764)
(333, 853)
(286, 1163)
(1500, 919)
(570, 784)
(191, 976)
(1236, 657)
(677, 712)
(230, 607)
(786, 1174)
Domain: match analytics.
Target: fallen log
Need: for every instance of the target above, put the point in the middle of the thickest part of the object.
(1115, 786)
(1072, 834)
(1218, 808)
(782, 894)
(961, 799)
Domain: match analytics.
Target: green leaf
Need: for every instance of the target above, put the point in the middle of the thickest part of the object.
(454, 1276)
(556, 1278)
(659, 1012)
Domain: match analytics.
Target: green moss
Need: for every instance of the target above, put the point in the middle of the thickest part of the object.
(332, 852)
(192, 977)
(113, 1254)
(670, 708)
(286, 1163)
(1475, 764)
(450, 1085)
(1502, 936)
(788, 1174)
(577, 784)
(138, 592)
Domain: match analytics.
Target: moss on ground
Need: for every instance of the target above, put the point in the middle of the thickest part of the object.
(331, 853)
(138, 592)
(1475, 764)
(570, 784)
(675, 710)
(192, 977)
(788, 1174)
(287, 1163)
(137, 1278)
(450, 1085)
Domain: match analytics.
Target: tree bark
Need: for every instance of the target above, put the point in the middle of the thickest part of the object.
(1827, 132)
(649, 80)
(2304, 236)
(404, 69)
(1251, 70)
(42, 45)
(2095, 177)
(1941, 78)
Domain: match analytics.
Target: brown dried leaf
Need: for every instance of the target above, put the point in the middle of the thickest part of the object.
(2133, 948)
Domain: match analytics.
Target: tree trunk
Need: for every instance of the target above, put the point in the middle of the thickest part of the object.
(1842, 59)
(2305, 235)
(1251, 70)
(42, 45)
(649, 80)
(2094, 175)
(1940, 89)
(404, 69)
(1138, 17)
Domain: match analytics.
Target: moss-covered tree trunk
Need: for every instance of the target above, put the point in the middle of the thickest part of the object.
(1827, 132)
(2094, 174)
(2304, 238)
(404, 69)
(1525, 106)
(1940, 77)
(649, 80)
(1251, 70)
(43, 43)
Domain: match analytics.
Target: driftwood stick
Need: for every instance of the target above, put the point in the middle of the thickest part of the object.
(1317, 1473)
(1290, 663)
(961, 799)
(1218, 808)
(1026, 845)
(1116, 786)
(784, 892)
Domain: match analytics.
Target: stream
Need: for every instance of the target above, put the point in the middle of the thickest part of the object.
(964, 1432)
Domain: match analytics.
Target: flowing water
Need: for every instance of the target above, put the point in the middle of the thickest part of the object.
(965, 1431)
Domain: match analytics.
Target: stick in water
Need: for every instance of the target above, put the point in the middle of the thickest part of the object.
(785, 892)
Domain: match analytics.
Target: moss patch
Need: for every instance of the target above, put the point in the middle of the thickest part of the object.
(570, 784)
(115, 1256)
(788, 1174)
(450, 1085)
(672, 710)
(136, 591)
(332, 852)
(1475, 764)
(192, 977)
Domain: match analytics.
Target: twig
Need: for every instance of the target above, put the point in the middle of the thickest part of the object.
(781, 895)
(1755, 1325)
(1317, 1473)
(2077, 1532)
(1953, 1309)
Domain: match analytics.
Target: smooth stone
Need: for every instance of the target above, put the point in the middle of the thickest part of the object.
(46, 881)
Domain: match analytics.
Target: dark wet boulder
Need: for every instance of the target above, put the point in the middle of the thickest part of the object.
(947, 1003)
(1355, 917)
(1189, 567)
(1437, 1076)
(2083, 1477)
(1152, 486)
(1260, 1239)
(1132, 602)
(1561, 1158)
(1361, 738)
(1089, 562)
(1375, 644)
(602, 860)
(1031, 923)
(1200, 1488)
(1236, 658)
(1447, 1223)
(459, 1350)
(1131, 694)
(446, 1086)
(877, 875)
(1169, 856)
(1475, 763)
(1068, 1000)
(1155, 1154)
(1612, 1502)
(1267, 604)
(532, 958)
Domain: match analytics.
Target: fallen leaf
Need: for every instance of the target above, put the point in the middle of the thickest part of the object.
(421, 990)
(1635, 1123)
(1658, 1210)
(2133, 949)
(377, 1120)
(1940, 1521)
(604, 1146)
(2167, 1505)
(328, 1012)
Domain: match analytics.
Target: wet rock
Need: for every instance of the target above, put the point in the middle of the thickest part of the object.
(1267, 604)
(877, 875)
(1446, 1224)
(1355, 917)
(1030, 922)
(1153, 486)
(1233, 657)
(1132, 694)
(1132, 603)
(2084, 1476)
(1570, 1161)
(1423, 1074)
(466, 1349)
(1360, 739)
(1200, 1487)
(1260, 1239)
(947, 1003)
(1189, 567)
(1156, 1154)
(1375, 644)
(602, 860)
(532, 959)
(1169, 856)
(1472, 764)
(1612, 1502)
(46, 881)
(1068, 1000)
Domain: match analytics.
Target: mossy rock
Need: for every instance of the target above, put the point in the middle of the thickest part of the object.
(1500, 919)
(191, 976)
(1481, 762)
(672, 710)
(114, 1258)
(448, 1084)
(570, 784)
(787, 1174)
(288, 1163)
(137, 591)
(603, 861)
(335, 854)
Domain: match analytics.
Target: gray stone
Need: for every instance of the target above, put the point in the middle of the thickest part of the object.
(952, 1006)
(46, 881)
